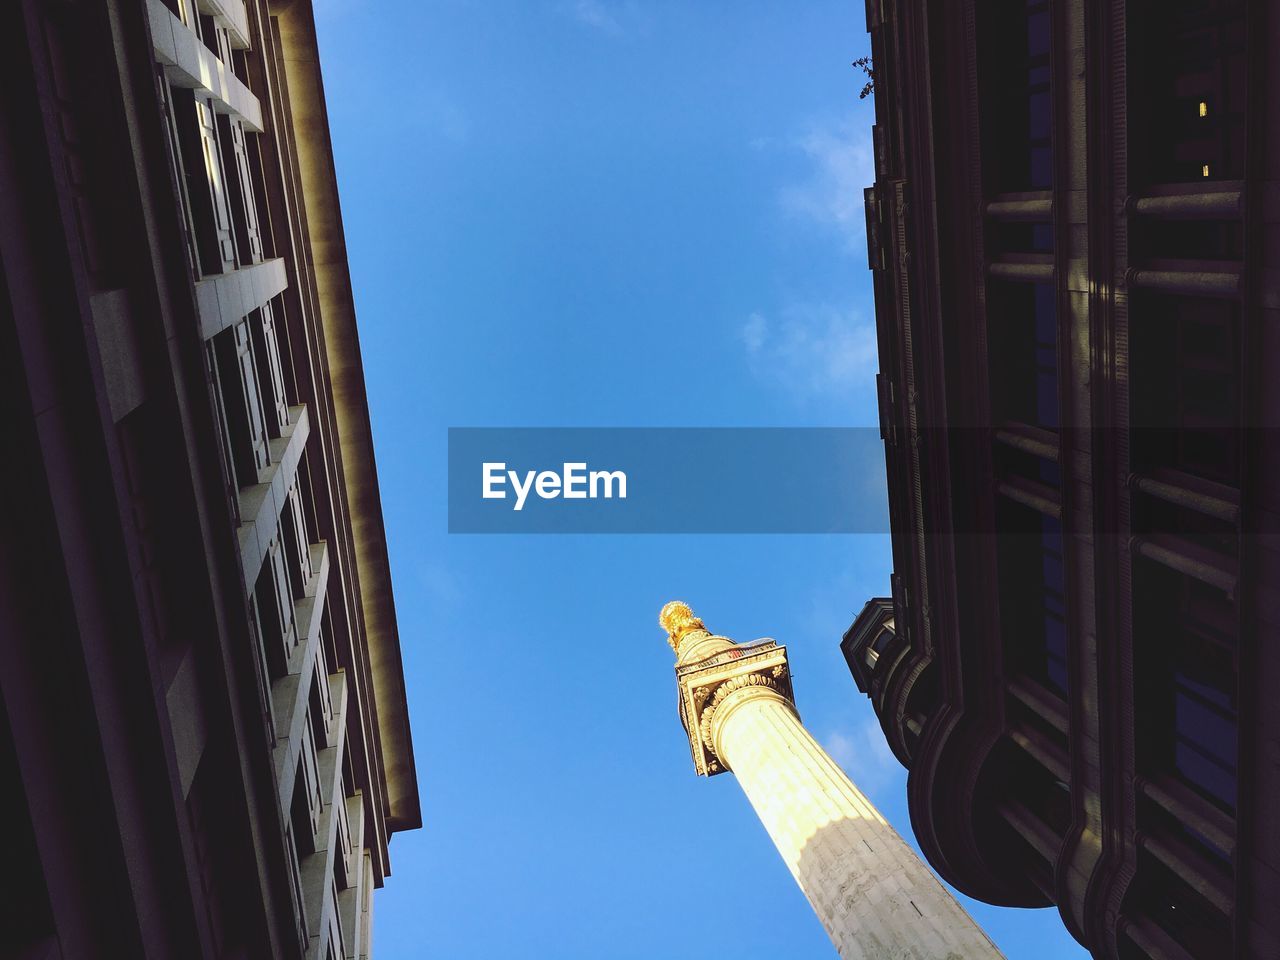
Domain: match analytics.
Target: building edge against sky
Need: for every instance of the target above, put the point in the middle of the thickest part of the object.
(1073, 233)
(204, 734)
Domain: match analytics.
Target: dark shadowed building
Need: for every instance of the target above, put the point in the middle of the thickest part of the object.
(1075, 235)
(204, 741)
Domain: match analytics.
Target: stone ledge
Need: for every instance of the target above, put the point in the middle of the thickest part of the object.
(189, 63)
(225, 299)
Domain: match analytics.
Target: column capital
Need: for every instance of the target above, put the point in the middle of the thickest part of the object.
(714, 674)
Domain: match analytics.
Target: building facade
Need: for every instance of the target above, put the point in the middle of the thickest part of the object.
(1075, 235)
(204, 739)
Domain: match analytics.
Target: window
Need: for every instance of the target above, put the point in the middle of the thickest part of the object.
(1187, 94)
(1185, 662)
(1016, 236)
(1179, 830)
(320, 702)
(292, 861)
(1012, 461)
(266, 351)
(1023, 333)
(225, 435)
(879, 645)
(1178, 909)
(273, 603)
(1160, 238)
(1185, 374)
(176, 163)
(1013, 72)
(236, 383)
(264, 667)
(296, 541)
(1033, 593)
(220, 836)
(1204, 692)
(239, 179)
(204, 186)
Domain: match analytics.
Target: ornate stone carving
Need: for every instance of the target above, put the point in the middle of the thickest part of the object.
(730, 686)
(677, 618)
(711, 669)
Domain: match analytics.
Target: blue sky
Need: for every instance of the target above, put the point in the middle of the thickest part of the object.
(606, 214)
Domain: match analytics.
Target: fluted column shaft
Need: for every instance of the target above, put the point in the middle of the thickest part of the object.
(875, 897)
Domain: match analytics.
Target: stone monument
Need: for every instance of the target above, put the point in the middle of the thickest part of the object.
(876, 899)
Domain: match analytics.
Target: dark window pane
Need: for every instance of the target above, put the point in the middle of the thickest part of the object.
(1187, 91)
(1184, 385)
(1207, 728)
(1023, 338)
(1209, 777)
(1033, 593)
(1039, 118)
(1186, 681)
(1041, 172)
(1050, 473)
(1038, 34)
(1013, 72)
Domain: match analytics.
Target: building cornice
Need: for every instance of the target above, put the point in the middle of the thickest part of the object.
(328, 252)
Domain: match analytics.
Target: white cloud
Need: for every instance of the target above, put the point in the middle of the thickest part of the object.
(863, 754)
(813, 350)
(754, 333)
(613, 18)
(594, 14)
(842, 163)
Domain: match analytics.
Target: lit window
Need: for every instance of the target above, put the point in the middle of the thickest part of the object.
(1189, 57)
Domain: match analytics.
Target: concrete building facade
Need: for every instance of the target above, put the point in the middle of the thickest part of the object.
(1075, 239)
(204, 740)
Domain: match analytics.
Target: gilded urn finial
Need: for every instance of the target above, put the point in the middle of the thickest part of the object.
(677, 618)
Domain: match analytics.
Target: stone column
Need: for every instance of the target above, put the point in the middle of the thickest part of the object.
(873, 895)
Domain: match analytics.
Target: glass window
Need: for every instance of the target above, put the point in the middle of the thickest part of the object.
(1205, 745)
(1184, 382)
(1033, 593)
(1013, 72)
(1187, 93)
(1178, 908)
(1184, 639)
(1023, 337)
(1053, 602)
(1046, 356)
